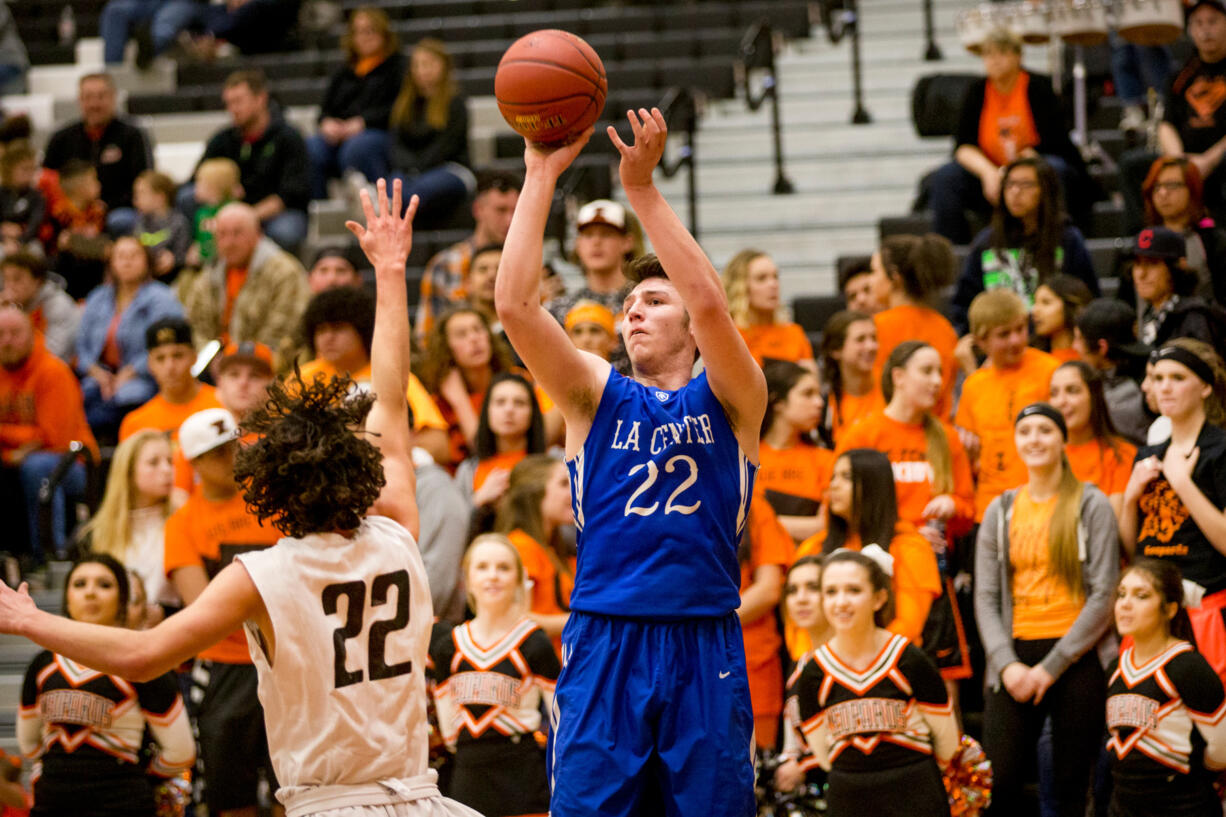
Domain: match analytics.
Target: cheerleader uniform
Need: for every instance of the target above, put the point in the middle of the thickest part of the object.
(879, 731)
(1165, 719)
(489, 701)
(85, 730)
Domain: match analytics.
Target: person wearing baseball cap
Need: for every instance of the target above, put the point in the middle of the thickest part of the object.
(169, 350)
(605, 241)
(1164, 287)
(243, 373)
(201, 538)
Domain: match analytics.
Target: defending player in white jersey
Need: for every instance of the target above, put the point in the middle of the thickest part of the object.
(337, 613)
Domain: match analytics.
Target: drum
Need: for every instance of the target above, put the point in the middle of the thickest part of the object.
(1079, 22)
(1149, 22)
(1033, 23)
(974, 25)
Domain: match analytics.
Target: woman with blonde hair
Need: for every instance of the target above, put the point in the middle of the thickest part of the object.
(428, 149)
(1046, 567)
(751, 282)
(135, 506)
(494, 674)
(354, 114)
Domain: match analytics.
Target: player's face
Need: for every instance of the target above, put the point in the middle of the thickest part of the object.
(510, 411)
(1048, 312)
(339, 343)
(860, 292)
(839, 493)
(242, 387)
(1139, 611)
(848, 600)
(1152, 279)
(860, 346)
(93, 595)
(332, 272)
(1039, 441)
(492, 578)
(602, 248)
(555, 505)
(1176, 390)
(171, 365)
(803, 596)
(216, 467)
(1004, 345)
(919, 382)
(591, 337)
(1071, 397)
(654, 322)
(469, 341)
(763, 283)
(153, 473)
(803, 406)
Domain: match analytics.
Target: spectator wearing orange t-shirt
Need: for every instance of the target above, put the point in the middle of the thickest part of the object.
(1013, 376)
(1009, 114)
(201, 539)
(918, 269)
(793, 470)
(863, 510)
(765, 551)
(510, 428)
(1058, 302)
(535, 508)
(1097, 454)
(462, 356)
(751, 282)
(847, 356)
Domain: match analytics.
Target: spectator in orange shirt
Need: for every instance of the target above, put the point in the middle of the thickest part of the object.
(751, 282)
(1057, 304)
(510, 428)
(1013, 376)
(41, 413)
(765, 552)
(863, 510)
(1096, 453)
(793, 470)
(535, 508)
(847, 356)
(243, 372)
(462, 356)
(917, 269)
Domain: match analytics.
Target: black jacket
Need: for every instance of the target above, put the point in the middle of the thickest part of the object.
(369, 97)
(122, 154)
(1044, 107)
(274, 164)
(417, 146)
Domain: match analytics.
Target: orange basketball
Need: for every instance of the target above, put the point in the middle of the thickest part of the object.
(550, 86)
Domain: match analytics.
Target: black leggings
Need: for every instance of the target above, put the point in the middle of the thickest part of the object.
(1076, 703)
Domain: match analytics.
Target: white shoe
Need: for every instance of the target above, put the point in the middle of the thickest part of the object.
(1133, 118)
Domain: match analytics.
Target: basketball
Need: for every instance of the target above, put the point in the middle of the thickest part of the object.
(550, 86)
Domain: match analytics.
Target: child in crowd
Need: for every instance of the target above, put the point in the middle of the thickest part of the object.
(217, 184)
(80, 217)
(162, 230)
(41, 295)
(22, 208)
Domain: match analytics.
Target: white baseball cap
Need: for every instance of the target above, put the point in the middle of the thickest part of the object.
(601, 211)
(206, 430)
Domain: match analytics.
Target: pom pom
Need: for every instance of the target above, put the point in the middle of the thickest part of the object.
(968, 779)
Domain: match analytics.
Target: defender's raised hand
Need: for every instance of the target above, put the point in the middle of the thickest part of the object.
(639, 160)
(387, 236)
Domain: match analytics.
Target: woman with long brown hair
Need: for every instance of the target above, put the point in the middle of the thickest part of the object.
(846, 359)
(428, 151)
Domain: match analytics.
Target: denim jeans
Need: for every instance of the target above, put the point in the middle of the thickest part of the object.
(104, 416)
(36, 467)
(439, 190)
(366, 153)
(1136, 68)
(166, 17)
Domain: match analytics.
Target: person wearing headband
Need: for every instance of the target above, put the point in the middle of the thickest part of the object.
(1046, 566)
(1174, 499)
(880, 731)
(862, 508)
(1160, 671)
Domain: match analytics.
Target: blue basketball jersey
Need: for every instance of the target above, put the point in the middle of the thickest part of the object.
(660, 491)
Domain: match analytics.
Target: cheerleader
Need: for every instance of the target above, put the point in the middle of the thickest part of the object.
(493, 675)
(802, 608)
(1166, 710)
(873, 708)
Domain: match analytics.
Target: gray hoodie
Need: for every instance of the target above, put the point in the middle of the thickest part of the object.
(1098, 549)
(61, 316)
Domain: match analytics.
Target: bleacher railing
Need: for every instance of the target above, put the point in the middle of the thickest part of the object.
(758, 53)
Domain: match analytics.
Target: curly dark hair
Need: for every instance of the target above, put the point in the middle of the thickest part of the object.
(352, 305)
(309, 471)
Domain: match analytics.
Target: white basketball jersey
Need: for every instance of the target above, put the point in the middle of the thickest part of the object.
(345, 697)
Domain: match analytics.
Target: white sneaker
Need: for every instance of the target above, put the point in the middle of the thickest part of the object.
(1133, 118)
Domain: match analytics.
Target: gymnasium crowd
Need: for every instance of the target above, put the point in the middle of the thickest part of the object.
(143, 318)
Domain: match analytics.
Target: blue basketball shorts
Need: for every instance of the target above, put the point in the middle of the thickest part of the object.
(652, 717)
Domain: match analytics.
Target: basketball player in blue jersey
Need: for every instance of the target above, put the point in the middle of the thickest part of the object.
(652, 712)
